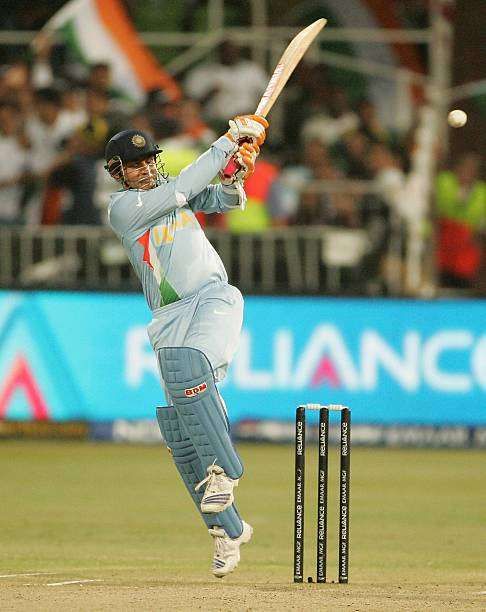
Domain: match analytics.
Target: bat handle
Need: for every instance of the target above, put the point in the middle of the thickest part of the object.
(233, 166)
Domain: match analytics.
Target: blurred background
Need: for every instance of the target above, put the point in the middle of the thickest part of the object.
(362, 252)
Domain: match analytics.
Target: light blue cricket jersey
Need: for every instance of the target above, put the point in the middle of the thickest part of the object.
(160, 233)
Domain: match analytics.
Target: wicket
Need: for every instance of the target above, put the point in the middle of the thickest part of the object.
(322, 487)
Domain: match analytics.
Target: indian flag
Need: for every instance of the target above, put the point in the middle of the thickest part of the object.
(101, 31)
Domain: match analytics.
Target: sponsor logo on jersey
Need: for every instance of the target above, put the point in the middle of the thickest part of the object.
(164, 233)
(195, 390)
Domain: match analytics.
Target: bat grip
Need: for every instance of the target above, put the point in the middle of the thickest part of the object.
(233, 166)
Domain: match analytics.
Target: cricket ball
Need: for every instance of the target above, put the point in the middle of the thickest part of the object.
(457, 118)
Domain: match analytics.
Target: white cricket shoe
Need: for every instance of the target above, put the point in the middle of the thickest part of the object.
(227, 551)
(218, 494)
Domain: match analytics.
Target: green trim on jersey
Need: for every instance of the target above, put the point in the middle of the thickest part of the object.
(168, 295)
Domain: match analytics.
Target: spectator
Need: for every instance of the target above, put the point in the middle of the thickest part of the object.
(73, 99)
(192, 125)
(41, 70)
(329, 117)
(461, 215)
(385, 215)
(14, 155)
(100, 78)
(141, 121)
(181, 127)
(284, 193)
(351, 152)
(15, 86)
(370, 125)
(179, 150)
(14, 77)
(161, 107)
(320, 208)
(79, 174)
(47, 130)
(388, 176)
(231, 86)
(291, 202)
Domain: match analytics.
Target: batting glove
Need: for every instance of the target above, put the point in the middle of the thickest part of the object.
(251, 127)
(245, 158)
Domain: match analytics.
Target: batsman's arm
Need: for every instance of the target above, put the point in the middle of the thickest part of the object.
(199, 174)
(219, 199)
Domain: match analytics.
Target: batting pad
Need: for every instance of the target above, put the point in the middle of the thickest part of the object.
(191, 470)
(189, 380)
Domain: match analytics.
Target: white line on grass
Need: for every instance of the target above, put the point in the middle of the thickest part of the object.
(72, 582)
(29, 574)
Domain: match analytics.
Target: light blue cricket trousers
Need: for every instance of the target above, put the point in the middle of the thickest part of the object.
(209, 321)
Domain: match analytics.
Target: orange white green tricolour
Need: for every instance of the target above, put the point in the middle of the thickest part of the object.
(101, 31)
(167, 292)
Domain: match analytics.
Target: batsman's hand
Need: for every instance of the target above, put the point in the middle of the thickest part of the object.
(248, 128)
(245, 158)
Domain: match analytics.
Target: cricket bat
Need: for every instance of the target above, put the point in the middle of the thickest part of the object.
(286, 65)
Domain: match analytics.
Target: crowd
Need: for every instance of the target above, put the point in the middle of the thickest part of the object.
(55, 118)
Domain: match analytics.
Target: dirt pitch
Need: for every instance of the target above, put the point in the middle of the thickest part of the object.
(106, 527)
(233, 593)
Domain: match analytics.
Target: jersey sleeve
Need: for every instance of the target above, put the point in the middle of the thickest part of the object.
(197, 176)
(218, 199)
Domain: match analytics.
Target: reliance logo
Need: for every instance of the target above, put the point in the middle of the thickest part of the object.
(430, 360)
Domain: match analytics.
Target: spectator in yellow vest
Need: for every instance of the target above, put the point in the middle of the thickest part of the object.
(461, 211)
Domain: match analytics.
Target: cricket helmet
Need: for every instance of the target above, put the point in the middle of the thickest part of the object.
(131, 146)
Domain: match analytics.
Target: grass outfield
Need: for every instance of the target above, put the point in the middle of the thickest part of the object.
(119, 517)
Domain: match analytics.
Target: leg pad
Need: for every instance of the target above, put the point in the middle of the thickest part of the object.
(189, 379)
(192, 471)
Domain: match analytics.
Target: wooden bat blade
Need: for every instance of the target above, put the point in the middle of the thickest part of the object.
(286, 65)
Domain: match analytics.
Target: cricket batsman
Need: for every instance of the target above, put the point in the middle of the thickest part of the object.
(196, 314)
